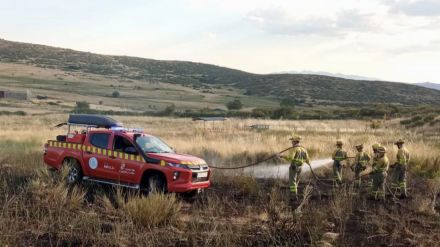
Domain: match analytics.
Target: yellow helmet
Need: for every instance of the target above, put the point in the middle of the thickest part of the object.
(339, 142)
(295, 138)
(375, 146)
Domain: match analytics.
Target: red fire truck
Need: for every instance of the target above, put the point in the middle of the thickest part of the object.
(103, 151)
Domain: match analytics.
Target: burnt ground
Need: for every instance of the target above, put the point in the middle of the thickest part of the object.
(235, 211)
(345, 210)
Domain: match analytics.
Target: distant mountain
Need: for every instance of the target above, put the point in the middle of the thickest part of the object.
(316, 89)
(350, 77)
(429, 85)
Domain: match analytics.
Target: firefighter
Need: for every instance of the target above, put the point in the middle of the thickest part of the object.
(400, 168)
(360, 163)
(379, 174)
(297, 156)
(338, 156)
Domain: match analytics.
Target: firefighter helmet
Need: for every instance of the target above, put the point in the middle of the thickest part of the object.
(295, 138)
(400, 141)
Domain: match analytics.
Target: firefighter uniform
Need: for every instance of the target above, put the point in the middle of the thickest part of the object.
(297, 156)
(379, 174)
(400, 168)
(339, 155)
(360, 163)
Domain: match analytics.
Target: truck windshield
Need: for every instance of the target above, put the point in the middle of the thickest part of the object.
(151, 144)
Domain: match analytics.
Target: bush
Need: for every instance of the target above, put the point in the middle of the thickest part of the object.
(154, 210)
(287, 102)
(261, 113)
(18, 113)
(429, 118)
(282, 112)
(116, 94)
(169, 110)
(82, 105)
(234, 105)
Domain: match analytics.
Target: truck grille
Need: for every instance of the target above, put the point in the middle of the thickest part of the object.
(198, 169)
(195, 179)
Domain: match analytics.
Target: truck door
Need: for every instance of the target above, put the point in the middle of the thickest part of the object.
(95, 156)
(126, 158)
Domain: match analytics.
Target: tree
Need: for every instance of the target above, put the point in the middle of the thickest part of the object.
(234, 105)
(288, 102)
(282, 112)
(115, 94)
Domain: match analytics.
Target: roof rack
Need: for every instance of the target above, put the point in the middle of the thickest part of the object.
(92, 121)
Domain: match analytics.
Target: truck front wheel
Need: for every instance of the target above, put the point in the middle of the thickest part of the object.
(154, 184)
(74, 172)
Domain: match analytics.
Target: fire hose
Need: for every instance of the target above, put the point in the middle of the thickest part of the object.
(315, 177)
(269, 158)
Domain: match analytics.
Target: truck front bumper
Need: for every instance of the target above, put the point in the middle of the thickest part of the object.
(187, 187)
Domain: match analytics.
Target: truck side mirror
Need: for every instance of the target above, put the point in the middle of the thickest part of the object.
(130, 150)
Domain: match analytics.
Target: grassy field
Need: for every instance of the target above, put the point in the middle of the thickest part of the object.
(65, 88)
(38, 209)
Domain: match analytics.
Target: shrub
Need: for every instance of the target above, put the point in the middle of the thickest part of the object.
(260, 113)
(168, 111)
(287, 102)
(116, 94)
(429, 118)
(282, 112)
(234, 105)
(154, 210)
(18, 113)
(82, 105)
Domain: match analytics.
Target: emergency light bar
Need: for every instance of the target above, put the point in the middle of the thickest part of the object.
(137, 130)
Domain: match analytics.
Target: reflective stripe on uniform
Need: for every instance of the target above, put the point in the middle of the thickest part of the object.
(293, 188)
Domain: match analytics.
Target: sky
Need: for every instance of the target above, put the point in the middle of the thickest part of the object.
(395, 40)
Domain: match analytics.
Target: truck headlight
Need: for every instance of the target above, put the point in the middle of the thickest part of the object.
(179, 166)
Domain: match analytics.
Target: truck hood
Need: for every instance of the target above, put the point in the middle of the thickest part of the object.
(183, 159)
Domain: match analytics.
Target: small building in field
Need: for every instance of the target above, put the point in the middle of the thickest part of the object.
(210, 119)
(17, 95)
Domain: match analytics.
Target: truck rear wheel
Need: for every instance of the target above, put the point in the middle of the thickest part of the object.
(74, 173)
(154, 184)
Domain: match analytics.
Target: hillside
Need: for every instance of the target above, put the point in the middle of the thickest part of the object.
(430, 85)
(314, 89)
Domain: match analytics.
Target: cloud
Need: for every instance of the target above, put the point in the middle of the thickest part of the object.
(278, 21)
(415, 7)
(430, 47)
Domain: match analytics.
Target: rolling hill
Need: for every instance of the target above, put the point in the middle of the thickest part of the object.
(430, 85)
(315, 89)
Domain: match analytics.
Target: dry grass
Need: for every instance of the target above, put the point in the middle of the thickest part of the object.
(38, 209)
(153, 211)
